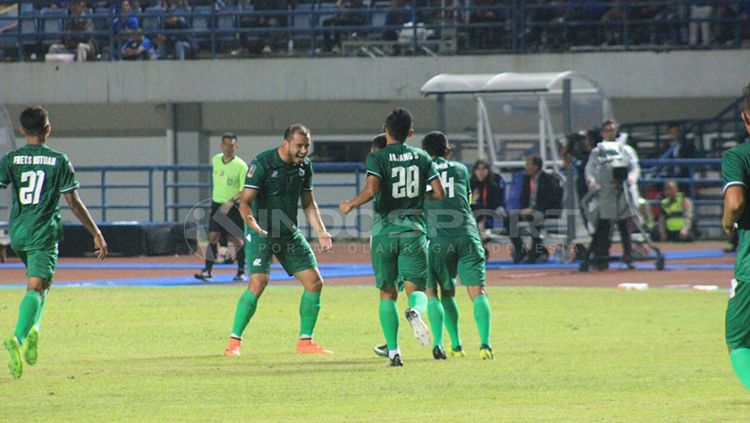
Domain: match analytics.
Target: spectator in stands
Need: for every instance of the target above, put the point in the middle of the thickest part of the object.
(182, 44)
(701, 12)
(678, 148)
(667, 25)
(349, 14)
(485, 197)
(676, 217)
(490, 16)
(125, 20)
(540, 194)
(138, 47)
(541, 34)
(400, 14)
(612, 23)
(73, 41)
(268, 14)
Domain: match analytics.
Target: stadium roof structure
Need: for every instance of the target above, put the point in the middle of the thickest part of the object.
(509, 82)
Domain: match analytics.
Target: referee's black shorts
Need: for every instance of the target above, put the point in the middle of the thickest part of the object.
(230, 224)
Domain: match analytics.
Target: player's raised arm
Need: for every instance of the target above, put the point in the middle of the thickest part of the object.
(312, 213)
(371, 189)
(82, 213)
(247, 196)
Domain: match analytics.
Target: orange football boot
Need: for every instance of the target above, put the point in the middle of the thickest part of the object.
(233, 348)
(308, 346)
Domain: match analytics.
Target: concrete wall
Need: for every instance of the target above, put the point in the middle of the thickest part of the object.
(695, 74)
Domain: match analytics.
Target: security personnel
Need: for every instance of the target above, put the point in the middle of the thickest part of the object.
(676, 219)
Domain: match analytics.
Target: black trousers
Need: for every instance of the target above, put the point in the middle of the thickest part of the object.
(601, 241)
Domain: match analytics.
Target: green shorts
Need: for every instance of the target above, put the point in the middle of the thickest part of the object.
(738, 315)
(293, 252)
(462, 256)
(398, 257)
(40, 263)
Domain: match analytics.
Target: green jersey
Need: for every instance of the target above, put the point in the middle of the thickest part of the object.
(452, 216)
(279, 186)
(38, 175)
(404, 173)
(735, 169)
(228, 178)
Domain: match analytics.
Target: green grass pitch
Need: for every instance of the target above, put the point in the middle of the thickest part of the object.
(154, 354)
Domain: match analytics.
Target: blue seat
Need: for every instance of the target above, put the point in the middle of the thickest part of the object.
(101, 18)
(152, 18)
(201, 18)
(53, 21)
(302, 18)
(227, 19)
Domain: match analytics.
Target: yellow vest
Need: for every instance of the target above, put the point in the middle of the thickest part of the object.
(674, 212)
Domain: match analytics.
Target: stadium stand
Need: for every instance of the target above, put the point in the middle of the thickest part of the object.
(396, 26)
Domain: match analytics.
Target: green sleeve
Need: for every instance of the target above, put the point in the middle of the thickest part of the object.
(243, 174)
(256, 175)
(307, 184)
(372, 166)
(4, 171)
(734, 169)
(67, 176)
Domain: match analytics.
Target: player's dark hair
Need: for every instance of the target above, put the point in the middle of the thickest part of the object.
(296, 128)
(536, 161)
(673, 124)
(379, 141)
(609, 122)
(229, 135)
(436, 144)
(398, 124)
(33, 120)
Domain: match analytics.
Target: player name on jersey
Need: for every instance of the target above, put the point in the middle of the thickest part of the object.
(34, 160)
(443, 165)
(403, 157)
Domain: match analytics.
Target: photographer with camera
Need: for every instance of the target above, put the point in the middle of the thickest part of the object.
(612, 171)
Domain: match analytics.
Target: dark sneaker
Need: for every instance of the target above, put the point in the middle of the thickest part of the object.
(438, 353)
(204, 275)
(381, 350)
(396, 361)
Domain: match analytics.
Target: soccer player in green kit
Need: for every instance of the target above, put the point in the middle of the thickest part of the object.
(735, 169)
(455, 249)
(38, 175)
(228, 181)
(397, 178)
(276, 181)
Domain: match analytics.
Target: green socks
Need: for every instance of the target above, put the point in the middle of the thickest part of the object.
(245, 310)
(27, 313)
(451, 320)
(309, 306)
(741, 364)
(437, 315)
(389, 323)
(38, 319)
(418, 301)
(483, 317)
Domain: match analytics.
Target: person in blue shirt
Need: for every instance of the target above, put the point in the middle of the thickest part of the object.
(138, 47)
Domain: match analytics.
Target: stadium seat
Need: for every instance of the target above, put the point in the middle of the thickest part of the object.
(53, 24)
(201, 18)
(101, 17)
(152, 18)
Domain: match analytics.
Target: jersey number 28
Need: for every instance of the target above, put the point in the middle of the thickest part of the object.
(31, 193)
(405, 181)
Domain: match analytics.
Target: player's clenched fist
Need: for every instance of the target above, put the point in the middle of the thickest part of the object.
(325, 240)
(345, 206)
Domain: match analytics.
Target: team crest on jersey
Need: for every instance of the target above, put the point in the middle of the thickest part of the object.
(275, 173)
(221, 173)
(230, 181)
(301, 172)
(251, 171)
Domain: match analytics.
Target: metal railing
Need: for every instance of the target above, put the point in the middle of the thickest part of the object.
(159, 189)
(516, 26)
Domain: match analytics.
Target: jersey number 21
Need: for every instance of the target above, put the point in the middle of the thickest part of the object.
(31, 193)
